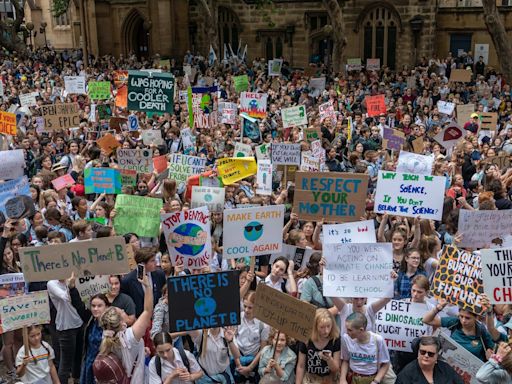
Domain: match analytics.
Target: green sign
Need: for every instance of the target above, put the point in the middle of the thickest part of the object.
(137, 214)
(99, 90)
(241, 83)
(151, 92)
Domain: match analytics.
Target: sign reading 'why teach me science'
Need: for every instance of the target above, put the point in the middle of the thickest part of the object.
(410, 195)
(331, 196)
(205, 301)
(150, 92)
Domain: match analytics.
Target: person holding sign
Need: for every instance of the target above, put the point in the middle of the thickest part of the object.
(277, 361)
(498, 370)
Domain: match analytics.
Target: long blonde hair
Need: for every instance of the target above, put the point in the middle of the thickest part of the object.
(111, 323)
(322, 316)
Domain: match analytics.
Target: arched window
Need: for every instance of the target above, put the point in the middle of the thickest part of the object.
(269, 48)
(380, 28)
(229, 30)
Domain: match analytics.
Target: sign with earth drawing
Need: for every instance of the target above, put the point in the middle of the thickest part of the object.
(187, 235)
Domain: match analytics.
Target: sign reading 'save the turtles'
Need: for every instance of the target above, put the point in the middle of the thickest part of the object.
(150, 92)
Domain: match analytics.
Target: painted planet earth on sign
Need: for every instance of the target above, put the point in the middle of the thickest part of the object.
(253, 231)
(205, 306)
(189, 239)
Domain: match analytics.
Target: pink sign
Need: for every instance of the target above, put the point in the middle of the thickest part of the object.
(63, 181)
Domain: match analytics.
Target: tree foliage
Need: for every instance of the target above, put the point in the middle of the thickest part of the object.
(59, 7)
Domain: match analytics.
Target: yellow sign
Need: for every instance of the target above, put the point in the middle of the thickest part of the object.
(232, 170)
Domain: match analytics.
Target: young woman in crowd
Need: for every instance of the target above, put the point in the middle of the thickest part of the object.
(277, 360)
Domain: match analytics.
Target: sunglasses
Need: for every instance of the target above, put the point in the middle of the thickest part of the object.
(428, 353)
(249, 228)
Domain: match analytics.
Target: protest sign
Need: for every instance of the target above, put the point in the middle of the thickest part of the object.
(13, 164)
(152, 136)
(28, 99)
(373, 64)
(418, 145)
(227, 113)
(250, 128)
(60, 116)
(461, 75)
(103, 256)
(347, 272)
(481, 229)
(445, 107)
(187, 234)
(88, 286)
(414, 163)
(254, 104)
(232, 170)
(15, 199)
(102, 180)
(133, 123)
(242, 150)
(294, 116)
(2, 94)
(183, 166)
(22, 311)
(497, 275)
(264, 178)
(393, 139)
(488, 120)
(326, 111)
(99, 90)
(312, 134)
(205, 301)
(309, 163)
(400, 322)
(137, 214)
(128, 178)
(204, 106)
(187, 140)
(241, 83)
(140, 160)
(211, 197)
(285, 154)
(354, 64)
(356, 232)
(253, 231)
(75, 85)
(293, 317)
(299, 256)
(332, 196)
(118, 123)
(160, 163)
(375, 105)
(7, 123)
(262, 152)
(449, 136)
(104, 111)
(317, 86)
(458, 279)
(12, 284)
(464, 112)
(274, 67)
(410, 195)
(63, 181)
(150, 92)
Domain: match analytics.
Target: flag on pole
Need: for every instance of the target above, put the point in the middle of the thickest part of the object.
(212, 57)
(244, 53)
(226, 57)
(232, 54)
(239, 48)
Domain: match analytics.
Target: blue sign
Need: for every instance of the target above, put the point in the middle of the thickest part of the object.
(133, 123)
(99, 180)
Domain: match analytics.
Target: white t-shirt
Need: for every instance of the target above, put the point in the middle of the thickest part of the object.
(37, 373)
(168, 368)
(216, 358)
(67, 317)
(365, 359)
(250, 334)
(130, 349)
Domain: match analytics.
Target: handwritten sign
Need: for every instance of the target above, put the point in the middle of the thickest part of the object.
(150, 92)
(205, 301)
(13, 164)
(373, 64)
(28, 99)
(347, 272)
(75, 85)
(410, 195)
(22, 311)
(12, 284)
(445, 107)
(15, 199)
(88, 286)
(414, 163)
(232, 170)
(242, 150)
(7, 123)
(152, 136)
(285, 154)
(99, 90)
(393, 139)
(60, 116)
(375, 105)
(326, 111)
(139, 160)
(102, 180)
(458, 279)
(63, 182)
(299, 256)
(137, 214)
(241, 83)
(488, 120)
(264, 178)
(464, 112)
(496, 275)
(332, 196)
(227, 113)
(211, 197)
(294, 116)
(105, 255)
(356, 232)
(253, 104)
(482, 229)
(317, 86)
(183, 166)
(309, 163)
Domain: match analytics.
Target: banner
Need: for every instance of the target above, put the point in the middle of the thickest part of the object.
(210, 197)
(102, 256)
(227, 113)
(356, 232)
(150, 92)
(331, 196)
(75, 85)
(484, 229)
(121, 85)
(7, 123)
(326, 111)
(140, 160)
(99, 90)
(15, 199)
(102, 180)
(410, 195)
(241, 83)
(137, 214)
(63, 181)
(187, 234)
(400, 322)
(60, 116)
(13, 164)
(22, 311)
(393, 139)
(285, 154)
(414, 163)
(205, 301)
(358, 270)
(458, 279)
(88, 286)
(28, 99)
(205, 106)
(232, 170)
(294, 116)
(299, 256)
(253, 231)
(375, 105)
(497, 275)
(293, 317)
(183, 166)
(264, 178)
(254, 104)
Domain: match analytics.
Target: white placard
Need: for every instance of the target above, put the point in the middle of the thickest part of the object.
(75, 85)
(152, 136)
(497, 275)
(294, 116)
(356, 232)
(445, 107)
(309, 163)
(89, 286)
(242, 150)
(317, 85)
(264, 178)
(140, 160)
(211, 197)
(262, 152)
(28, 99)
(12, 164)
(409, 162)
(483, 229)
(285, 154)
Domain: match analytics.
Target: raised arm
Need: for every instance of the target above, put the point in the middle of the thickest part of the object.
(144, 320)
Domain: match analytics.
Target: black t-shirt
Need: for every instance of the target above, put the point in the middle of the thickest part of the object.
(124, 302)
(443, 373)
(314, 364)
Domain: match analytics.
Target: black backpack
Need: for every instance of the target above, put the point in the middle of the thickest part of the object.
(184, 358)
(321, 290)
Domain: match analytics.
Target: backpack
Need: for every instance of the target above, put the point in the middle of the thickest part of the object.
(108, 369)
(184, 358)
(320, 289)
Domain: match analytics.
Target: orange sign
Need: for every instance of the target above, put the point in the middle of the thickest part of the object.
(108, 143)
(121, 84)
(7, 123)
(375, 105)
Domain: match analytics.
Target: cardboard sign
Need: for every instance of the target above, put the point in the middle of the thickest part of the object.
(75, 85)
(326, 111)
(60, 116)
(450, 136)
(88, 286)
(375, 105)
(140, 160)
(187, 234)
(285, 154)
(12, 284)
(274, 67)
(241, 83)
(103, 256)
(393, 139)
(488, 120)
(373, 64)
(227, 113)
(211, 197)
(152, 136)
(183, 166)
(150, 92)
(410, 195)
(293, 317)
(482, 229)
(102, 180)
(356, 232)
(63, 181)
(242, 150)
(253, 231)
(15, 199)
(254, 104)
(13, 164)
(264, 178)
(317, 86)
(400, 322)
(458, 279)
(137, 214)
(464, 112)
(418, 145)
(294, 116)
(413, 163)
(99, 90)
(23, 311)
(7, 123)
(108, 143)
(496, 275)
(309, 163)
(299, 256)
(332, 196)
(460, 75)
(347, 274)
(28, 99)
(445, 107)
(232, 170)
(205, 301)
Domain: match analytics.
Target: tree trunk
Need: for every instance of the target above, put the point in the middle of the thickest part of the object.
(83, 32)
(499, 37)
(338, 33)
